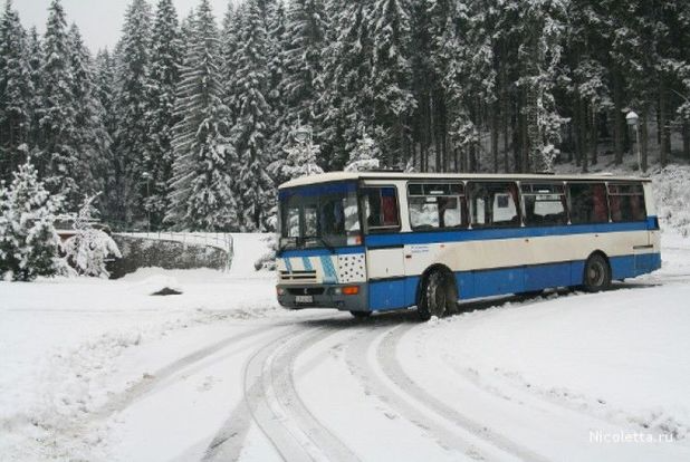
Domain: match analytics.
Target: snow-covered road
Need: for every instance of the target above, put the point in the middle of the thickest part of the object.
(100, 370)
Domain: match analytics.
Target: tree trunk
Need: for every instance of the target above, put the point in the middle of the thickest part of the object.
(494, 135)
(686, 140)
(594, 133)
(664, 129)
(644, 141)
(618, 117)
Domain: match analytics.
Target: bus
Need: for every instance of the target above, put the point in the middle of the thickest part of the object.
(372, 242)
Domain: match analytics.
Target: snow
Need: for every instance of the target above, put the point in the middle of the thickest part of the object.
(102, 371)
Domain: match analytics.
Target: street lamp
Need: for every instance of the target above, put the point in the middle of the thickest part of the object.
(634, 121)
(147, 178)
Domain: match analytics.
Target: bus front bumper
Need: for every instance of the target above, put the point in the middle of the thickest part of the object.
(324, 296)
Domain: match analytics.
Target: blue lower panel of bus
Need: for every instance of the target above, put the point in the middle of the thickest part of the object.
(402, 292)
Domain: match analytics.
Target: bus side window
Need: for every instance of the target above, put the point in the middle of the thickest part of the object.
(494, 205)
(436, 206)
(380, 205)
(627, 203)
(544, 204)
(588, 203)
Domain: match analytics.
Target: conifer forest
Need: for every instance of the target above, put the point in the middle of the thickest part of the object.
(190, 122)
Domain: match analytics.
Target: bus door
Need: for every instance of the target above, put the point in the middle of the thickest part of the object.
(385, 261)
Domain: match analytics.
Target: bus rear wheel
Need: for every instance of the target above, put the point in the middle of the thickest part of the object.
(597, 275)
(438, 297)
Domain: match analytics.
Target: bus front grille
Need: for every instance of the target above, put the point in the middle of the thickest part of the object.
(298, 276)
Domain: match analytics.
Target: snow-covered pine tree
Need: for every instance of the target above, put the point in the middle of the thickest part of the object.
(541, 23)
(131, 138)
(348, 97)
(166, 59)
(104, 90)
(28, 242)
(35, 56)
(276, 22)
(253, 186)
(89, 248)
(365, 157)
(391, 78)
(302, 155)
(58, 141)
(230, 36)
(305, 37)
(93, 141)
(15, 93)
(201, 197)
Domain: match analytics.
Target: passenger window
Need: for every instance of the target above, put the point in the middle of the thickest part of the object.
(587, 203)
(544, 204)
(380, 205)
(627, 203)
(436, 206)
(494, 204)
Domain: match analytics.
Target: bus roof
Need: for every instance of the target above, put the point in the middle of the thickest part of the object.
(355, 176)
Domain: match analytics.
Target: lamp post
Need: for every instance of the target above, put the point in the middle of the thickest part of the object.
(147, 178)
(634, 121)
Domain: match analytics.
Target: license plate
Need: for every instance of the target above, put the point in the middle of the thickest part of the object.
(304, 299)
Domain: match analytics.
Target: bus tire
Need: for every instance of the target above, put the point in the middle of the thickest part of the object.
(438, 296)
(360, 314)
(597, 274)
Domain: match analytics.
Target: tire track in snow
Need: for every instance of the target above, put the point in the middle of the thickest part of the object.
(137, 391)
(390, 395)
(272, 401)
(387, 359)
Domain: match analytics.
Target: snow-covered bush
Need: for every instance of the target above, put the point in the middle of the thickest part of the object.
(365, 157)
(301, 159)
(672, 197)
(267, 262)
(89, 248)
(29, 245)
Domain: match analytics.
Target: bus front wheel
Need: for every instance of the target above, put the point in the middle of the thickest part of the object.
(438, 296)
(360, 314)
(597, 275)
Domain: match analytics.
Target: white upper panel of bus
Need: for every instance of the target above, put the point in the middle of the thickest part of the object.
(344, 176)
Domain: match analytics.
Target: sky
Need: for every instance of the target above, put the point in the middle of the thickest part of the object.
(100, 21)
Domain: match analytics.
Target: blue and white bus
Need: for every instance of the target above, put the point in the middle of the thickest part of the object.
(367, 242)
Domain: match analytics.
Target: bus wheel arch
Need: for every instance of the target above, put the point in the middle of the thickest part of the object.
(437, 292)
(597, 273)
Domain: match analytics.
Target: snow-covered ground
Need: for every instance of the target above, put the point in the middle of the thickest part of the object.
(103, 371)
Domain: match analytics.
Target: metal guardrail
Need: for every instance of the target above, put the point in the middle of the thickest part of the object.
(222, 241)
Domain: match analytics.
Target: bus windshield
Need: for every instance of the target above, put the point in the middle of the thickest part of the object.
(319, 216)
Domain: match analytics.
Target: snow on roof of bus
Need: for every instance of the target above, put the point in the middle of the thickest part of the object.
(353, 176)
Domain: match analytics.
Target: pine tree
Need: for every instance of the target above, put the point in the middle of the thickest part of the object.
(232, 24)
(104, 90)
(304, 42)
(365, 157)
(542, 30)
(35, 56)
(165, 63)
(92, 140)
(201, 197)
(391, 78)
(253, 186)
(28, 242)
(58, 114)
(15, 93)
(301, 159)
(87, 251)
(131, 138)
(349, 96)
